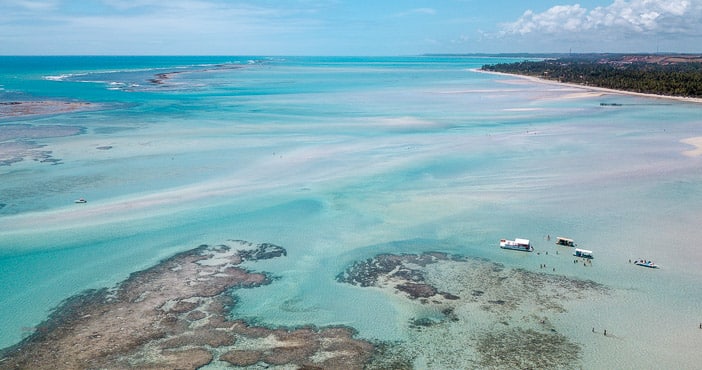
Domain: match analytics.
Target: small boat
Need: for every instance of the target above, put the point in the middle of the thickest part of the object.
(582, 253)
(645, 263)
(566, 242)
(517, 245)
(81, 200)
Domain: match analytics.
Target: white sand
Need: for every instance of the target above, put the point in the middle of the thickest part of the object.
(594, 91)
(697, 143)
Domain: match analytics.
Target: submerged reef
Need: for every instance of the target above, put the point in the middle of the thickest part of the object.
(473, 313)
(38, 107)
(463, 313)
(175, 315)
(18, 142)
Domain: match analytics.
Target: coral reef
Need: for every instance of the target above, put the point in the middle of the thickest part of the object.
(37, 107)
(473, 313)
(174, 315)
(18, 141)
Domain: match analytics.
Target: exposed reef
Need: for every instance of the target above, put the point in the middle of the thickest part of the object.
(38, 107)
(464, 313)
(472, 313)
(163, 78)
(404, 271)
(175, 315)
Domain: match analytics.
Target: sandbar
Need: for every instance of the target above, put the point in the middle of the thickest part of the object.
(697, 143)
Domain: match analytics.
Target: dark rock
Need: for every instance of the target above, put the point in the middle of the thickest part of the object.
(196, 315)
(450, 296)
(262, 252)
(417, 290)
(241, 357)
(422, 322)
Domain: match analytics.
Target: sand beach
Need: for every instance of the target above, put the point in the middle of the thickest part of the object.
(594, 91)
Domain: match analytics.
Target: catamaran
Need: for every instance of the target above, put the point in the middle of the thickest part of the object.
(517, 245)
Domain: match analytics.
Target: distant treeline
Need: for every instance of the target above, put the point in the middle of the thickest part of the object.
(644, 75)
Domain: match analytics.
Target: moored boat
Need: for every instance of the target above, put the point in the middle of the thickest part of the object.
(517, 245)
(582, 253)
(81, 200)
(646, 263)
(566, 242)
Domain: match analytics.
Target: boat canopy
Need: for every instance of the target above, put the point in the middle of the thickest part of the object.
(583, 252)
(522, 241)
(565, 241)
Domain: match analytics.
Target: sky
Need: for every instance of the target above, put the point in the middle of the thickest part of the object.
(347, 27)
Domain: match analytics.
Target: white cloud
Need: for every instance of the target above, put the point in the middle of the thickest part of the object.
(32, 5)
(181, 6)
(637, 16)
(422, 11)
(155, 27)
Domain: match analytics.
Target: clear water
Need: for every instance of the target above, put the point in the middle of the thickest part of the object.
(338, 159)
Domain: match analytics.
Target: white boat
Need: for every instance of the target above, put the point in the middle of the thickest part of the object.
(645, 263)
(583, 253)
(566, 242)
(81, 200)
(517, 245)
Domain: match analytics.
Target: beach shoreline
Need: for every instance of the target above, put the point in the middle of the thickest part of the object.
(695, 141)
(602, 90)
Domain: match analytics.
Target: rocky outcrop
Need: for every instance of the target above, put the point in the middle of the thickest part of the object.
(175, 315)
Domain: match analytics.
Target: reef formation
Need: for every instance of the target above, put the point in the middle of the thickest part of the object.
(175, 315)
(20, 108)
(465, 313)
(473, 313)
(19, 141)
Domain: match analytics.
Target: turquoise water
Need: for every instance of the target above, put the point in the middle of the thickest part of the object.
(338, 159)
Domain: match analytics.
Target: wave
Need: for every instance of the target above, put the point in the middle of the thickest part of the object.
(148, 78)
(63, 77)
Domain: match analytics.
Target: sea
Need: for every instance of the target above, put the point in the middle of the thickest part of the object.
(338, 159)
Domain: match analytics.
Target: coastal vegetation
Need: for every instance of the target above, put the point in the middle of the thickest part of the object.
(675, 75)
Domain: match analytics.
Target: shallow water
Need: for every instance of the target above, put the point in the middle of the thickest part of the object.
(338, 159)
